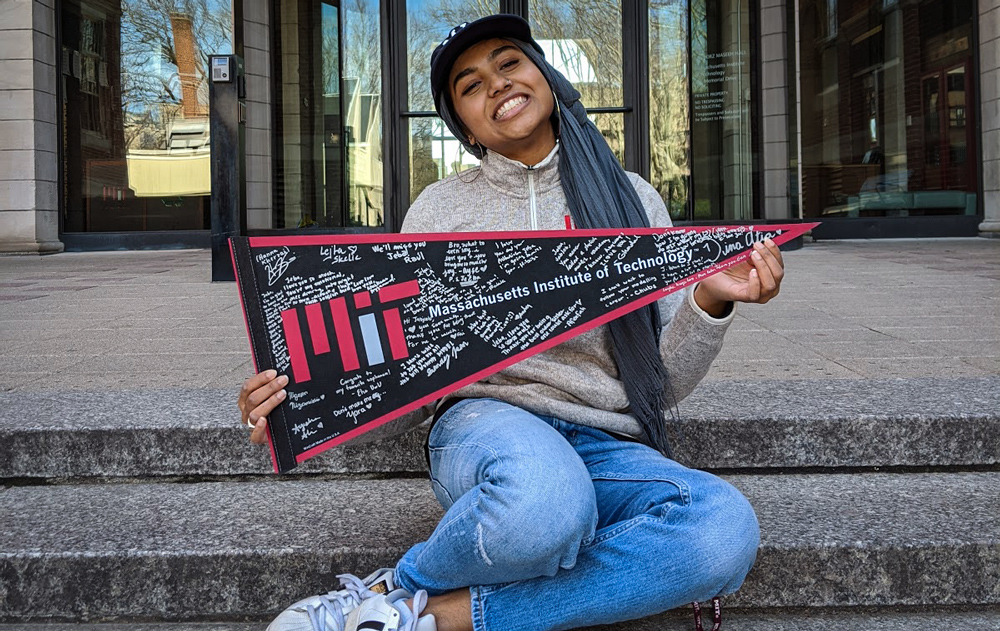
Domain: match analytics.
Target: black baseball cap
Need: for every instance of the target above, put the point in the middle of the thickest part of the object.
(503, 25)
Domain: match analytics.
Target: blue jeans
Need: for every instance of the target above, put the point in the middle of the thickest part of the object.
(553, 525)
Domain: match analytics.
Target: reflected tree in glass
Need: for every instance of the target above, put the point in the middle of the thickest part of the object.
(135, 112)
(583, 40)
(152, 84)
(361, 51)
(434, 152)
(669, 126)
(427, 23)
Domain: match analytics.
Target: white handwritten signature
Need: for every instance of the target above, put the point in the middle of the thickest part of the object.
(277, 266)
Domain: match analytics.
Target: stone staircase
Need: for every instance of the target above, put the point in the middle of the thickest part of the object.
(879, 504)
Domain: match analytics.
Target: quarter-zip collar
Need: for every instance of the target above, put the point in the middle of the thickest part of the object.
(512, 177)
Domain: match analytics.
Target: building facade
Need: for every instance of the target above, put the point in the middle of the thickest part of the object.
(875, 117)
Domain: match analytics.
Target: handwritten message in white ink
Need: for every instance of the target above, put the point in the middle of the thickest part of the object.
(275, 264)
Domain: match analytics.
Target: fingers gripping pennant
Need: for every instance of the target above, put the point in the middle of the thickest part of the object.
(369, 327)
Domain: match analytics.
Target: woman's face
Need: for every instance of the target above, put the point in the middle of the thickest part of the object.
(503, 101)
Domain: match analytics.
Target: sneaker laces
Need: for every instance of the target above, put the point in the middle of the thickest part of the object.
(355, 588)
(334, 603)
(410, 616)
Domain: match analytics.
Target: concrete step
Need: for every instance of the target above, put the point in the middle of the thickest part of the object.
(725, 425)
(732, 620)
(244, 550)
(815, 620)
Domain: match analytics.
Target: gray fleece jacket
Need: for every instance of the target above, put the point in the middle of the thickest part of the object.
(577, 380)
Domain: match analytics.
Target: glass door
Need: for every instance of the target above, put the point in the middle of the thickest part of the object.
(434, 153)
(721, 141)
(333, 211)
(948, 135)
(327, 149)
(134, 113)
(582, 39)
(687, 93)
(669, 105)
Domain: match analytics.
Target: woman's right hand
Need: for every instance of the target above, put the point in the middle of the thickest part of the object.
(258, 397)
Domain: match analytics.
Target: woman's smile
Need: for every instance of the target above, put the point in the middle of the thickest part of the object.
(510, 107)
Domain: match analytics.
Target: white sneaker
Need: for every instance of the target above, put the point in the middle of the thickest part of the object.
(390, 613)
(328, 611)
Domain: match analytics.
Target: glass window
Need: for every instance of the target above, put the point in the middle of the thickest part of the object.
(135, 113)
(582, 39)
(887, 119)
(434, 152)
(570, 33)
(329, 114)
(701, 156)
(669, 104)
(427, 23)
(721, 147)
(362, 68)
(612, 127)
(831, 22)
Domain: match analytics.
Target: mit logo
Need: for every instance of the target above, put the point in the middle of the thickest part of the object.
(344, 330)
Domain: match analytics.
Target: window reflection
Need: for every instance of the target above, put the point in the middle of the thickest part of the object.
(135, 112)
(328, 124)
(885, 125)
(612, 127)
(362, 52)
(669, 128)
(427, 21)
(582, 39)
(720, 99)
(434, 152)
(701, 157)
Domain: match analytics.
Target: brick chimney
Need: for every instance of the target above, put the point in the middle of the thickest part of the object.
(187, 64)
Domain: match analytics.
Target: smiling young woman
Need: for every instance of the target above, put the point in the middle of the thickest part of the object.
(563, 506)
(503, 101)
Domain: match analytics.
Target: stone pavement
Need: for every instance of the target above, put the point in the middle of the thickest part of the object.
(848, 310)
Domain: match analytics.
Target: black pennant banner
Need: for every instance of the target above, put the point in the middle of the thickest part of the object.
(369, 327)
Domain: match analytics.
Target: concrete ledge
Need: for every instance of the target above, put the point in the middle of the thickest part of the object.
(182, 432)
(808, 620)
(989, 229)
(225, 550)
(31, 247)
(724, 425)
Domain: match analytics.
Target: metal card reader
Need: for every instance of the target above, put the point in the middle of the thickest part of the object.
(222, 71)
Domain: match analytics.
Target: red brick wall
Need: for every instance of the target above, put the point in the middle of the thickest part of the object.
(186, 52)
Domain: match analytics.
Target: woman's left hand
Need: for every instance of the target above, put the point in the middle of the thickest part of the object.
(756, 280)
